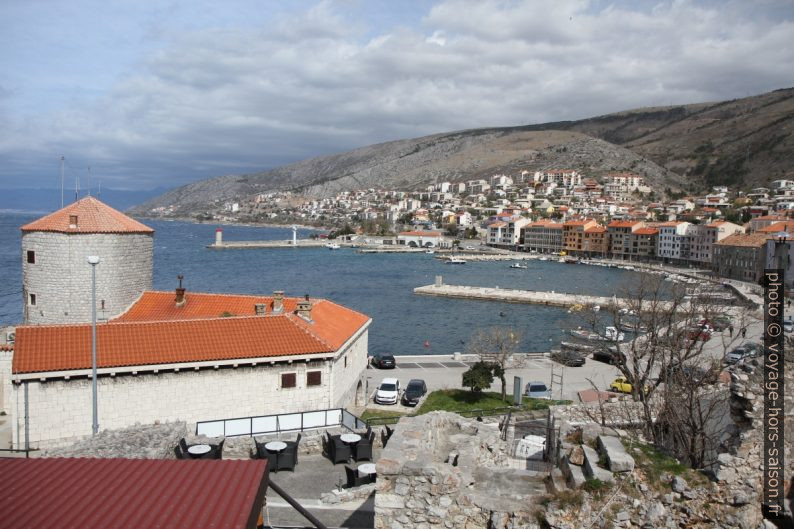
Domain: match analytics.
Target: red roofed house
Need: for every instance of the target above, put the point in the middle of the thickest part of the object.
(171, 356)
(620, 240)
(543, 236)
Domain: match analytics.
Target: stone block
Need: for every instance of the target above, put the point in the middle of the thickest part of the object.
(618, 460)
(591, 468)
(389, 501)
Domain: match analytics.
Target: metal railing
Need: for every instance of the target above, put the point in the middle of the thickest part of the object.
(17, 452)
(282, 422)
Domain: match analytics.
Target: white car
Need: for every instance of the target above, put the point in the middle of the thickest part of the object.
(788, 326)
(470, 247)
(388, 392)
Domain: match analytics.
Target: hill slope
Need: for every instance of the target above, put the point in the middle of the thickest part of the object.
(742, 142)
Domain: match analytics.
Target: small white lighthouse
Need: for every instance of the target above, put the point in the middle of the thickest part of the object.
(218, 237)
(294, 235)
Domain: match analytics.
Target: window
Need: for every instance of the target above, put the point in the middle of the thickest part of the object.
(287, 380)
(31, 257)
(32, 300)
(314, 378)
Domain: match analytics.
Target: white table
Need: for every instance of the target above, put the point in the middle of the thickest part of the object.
(276, 446)
(366, 469)
(198, 450)
(350, 438)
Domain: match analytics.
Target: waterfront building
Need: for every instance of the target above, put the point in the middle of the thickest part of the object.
(741, 256)
(573, 234)
(544, 236)
(173, 356)
(507, 233)
(673, 242)
(420, 239)
(703, 237)
(56, 278)
(620, 241)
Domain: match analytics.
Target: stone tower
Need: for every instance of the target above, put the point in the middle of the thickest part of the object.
(56, 277)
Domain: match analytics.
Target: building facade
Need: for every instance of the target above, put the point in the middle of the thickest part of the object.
(543, 236)
(741, 256)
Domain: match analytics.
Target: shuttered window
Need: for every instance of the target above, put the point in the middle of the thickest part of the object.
(288, 380)
(314, 378)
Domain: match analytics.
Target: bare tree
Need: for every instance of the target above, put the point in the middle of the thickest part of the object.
(667, 363)
(496, 346)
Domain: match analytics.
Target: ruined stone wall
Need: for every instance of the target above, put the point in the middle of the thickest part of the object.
(443, 471)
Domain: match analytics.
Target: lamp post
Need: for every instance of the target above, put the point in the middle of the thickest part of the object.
(93, 260)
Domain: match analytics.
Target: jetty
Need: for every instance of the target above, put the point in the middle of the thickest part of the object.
(534, 297)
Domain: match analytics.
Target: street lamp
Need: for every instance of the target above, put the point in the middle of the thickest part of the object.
(93, 260)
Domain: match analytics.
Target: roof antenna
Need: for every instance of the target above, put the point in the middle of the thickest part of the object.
(62, 181)
(76, 187)
(89, 180)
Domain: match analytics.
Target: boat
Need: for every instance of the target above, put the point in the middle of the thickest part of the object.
(332, 246)
(544, 258)
(518, 265)
(430, 252)
(456, 260)
(568, 260)
(611, 334)
(561, 260)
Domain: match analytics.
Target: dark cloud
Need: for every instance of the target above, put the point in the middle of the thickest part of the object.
(239, 99)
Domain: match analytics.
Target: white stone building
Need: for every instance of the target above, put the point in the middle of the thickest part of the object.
(167, 356)
(56, 276)
(673, 242)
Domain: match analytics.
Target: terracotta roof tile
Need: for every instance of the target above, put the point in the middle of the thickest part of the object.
(596, 229)
(787, 226)
(92, 215)
(748, 240)
(498, 224)
(623, 223)
(646, 231)
(154, 331)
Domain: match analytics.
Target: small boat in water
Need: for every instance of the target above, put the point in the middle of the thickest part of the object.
(430, 252)
(518, 265)
(332, 246)
(456, 260)
(611, 334)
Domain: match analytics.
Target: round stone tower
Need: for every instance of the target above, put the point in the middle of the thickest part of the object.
(56, 275)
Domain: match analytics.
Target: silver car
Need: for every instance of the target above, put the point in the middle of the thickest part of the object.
(537, 390)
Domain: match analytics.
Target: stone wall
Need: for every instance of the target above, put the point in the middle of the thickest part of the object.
(136, 442)
(443, 471)
(6, 396)
(61, 277)
(60, 410)
(348, 370)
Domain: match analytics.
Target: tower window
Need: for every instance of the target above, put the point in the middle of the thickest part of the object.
(32, 300)
(31, 255)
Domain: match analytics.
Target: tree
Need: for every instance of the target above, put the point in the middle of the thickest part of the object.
(672, 375)
(451, 229)
(478, 377)
(497, 347)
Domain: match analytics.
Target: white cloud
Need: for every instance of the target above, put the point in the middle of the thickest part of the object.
(231, 98)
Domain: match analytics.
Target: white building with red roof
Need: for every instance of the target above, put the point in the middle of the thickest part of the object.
(177, 356)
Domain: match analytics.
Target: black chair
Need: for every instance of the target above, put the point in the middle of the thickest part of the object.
(363, 449)
(340, 452)
(262, 453)
(179, 453)
(294, 445)
(183, 445)
(287, 459)
(353, 480)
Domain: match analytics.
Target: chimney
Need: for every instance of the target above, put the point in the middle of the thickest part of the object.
(278, 302)
(305, 309)
(260, 309)
(180, 292)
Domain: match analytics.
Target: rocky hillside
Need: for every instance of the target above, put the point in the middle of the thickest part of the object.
(741, 142)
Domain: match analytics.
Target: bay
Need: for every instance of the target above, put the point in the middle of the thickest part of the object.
(379, 285)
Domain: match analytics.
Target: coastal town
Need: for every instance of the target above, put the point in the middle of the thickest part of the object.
(559, 212)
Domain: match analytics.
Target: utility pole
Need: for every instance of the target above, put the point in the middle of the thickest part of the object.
(93, 260)
(62, 159)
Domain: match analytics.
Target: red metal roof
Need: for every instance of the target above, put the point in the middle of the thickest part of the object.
(92, 216)
(139, 493)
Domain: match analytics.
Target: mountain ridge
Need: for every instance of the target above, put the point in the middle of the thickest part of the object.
(737, 142)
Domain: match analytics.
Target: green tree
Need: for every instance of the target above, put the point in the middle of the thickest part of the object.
(496, 346)
(451, 229)
(478, 377)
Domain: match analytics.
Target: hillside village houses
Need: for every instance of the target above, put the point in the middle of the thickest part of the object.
(554, 210)
(161, 356)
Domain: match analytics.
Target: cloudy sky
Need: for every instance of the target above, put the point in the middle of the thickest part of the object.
(152, 94)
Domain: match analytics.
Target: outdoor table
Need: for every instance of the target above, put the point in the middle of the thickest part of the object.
(350, 438)
(276, 447)
(198, 450)
(367, 469)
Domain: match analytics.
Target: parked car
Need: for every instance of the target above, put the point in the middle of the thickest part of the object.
(699, 332)
(610, 355)
(537, 390)
(388, 392)
(568, 358)
(414, 391)
(746, 350)
(622, 385)
(383, 361)
(788, 326)
(470, 247)
(721, 322)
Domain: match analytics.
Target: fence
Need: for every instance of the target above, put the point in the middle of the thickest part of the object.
(283, 422)
(15, 453)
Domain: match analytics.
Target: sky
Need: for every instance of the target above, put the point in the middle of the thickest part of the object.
(160, 94)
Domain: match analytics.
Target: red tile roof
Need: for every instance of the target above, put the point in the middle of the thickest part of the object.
(747, 240)
(596, 229)
(623, 223)
(498, 224)
(140, 493)
(646, 231)
(787, 226)
(92, 215)
(154, 331)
